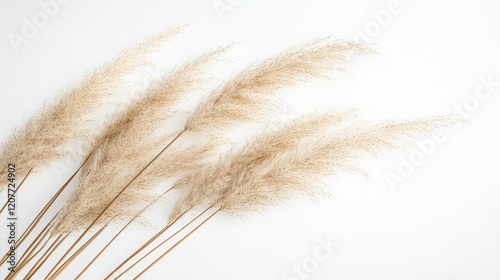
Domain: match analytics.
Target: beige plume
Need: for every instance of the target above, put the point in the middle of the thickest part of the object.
(210, 183)
(248, 96)
(69, 120)
(285, 171)
(128, 144)
(245, 97)
(300, 171)
(238, 185)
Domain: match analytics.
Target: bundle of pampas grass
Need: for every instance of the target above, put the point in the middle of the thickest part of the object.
(134, 160)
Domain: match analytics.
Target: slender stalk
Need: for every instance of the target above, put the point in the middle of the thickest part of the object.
(41, 260)
(59, 240)
(29, 257)
(176, 244)
(54, 273)
(17, 189)
(32, 254)
(40, 215)
(32, 251)
(35, 243)
(44, 210)
(59, 267)
(163, 242)
(102, 250)
(19, 269)
(152, 239)
(116, 236)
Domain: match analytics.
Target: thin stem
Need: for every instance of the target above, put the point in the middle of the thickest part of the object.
(35, 243)
(41, 259)
(29, 257)
(118, 234)
(85, 245)
(152, 239)
(40, 215)
(45, 256)
(176, 244)
(33, 254)
(102, 250)
(65, 264)
(163, 242)
(17, 189)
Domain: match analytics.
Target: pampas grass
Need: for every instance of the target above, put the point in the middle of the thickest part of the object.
(258, 152)
(55, 129)
(128, 165)
(265, 173)
(245, 97)
(70, 121)
(300, 171)
(278, 165)
(249, 96)
(129, 146)
(128, 208)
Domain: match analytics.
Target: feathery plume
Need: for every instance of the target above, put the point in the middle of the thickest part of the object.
(68, 120)
(283, 171)
(146, 116)
(128, 144)
(249, 95)
(300, 171)
(242, 98)
(238, 185)
(262, 148)
(287, 137)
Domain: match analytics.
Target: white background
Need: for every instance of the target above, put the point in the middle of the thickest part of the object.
(441, 223)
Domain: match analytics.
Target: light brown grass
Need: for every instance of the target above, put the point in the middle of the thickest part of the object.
(247, 96)
(129, 143)
(250, 95)
(239, 185)
(56, 129)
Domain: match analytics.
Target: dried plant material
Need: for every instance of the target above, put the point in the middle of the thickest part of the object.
(238, 186)
(57, 128)
(301, 171)
(147, 188)
(283, 171)
(129, 143)
(244, 97)
(248, 96)
(209, 184)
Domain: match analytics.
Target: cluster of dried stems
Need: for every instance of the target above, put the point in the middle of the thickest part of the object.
(134, 153)
(69, 121)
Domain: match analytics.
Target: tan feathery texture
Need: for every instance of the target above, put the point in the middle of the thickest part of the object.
(245, 97)
(128, 145)
(285, 171)
(146, 189)
(69, 120)
(209, 183)
(300, 171)
(260, 151)
(248, 96)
